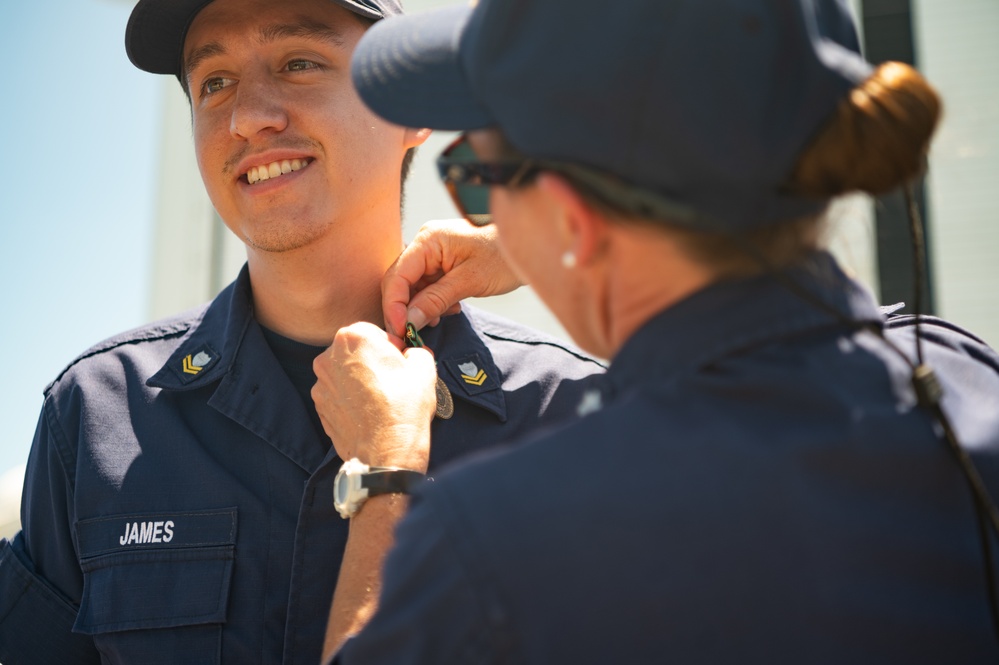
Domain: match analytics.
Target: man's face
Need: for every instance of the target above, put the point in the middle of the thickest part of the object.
(286, 149)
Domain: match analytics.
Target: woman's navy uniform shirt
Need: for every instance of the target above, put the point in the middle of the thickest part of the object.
(759, 486)
(178, 505)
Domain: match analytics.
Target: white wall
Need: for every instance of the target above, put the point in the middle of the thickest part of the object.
(11, 482)
(958, 51)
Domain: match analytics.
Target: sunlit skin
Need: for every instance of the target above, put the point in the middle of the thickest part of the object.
(531, 236)
(270, 82)
(623, 273)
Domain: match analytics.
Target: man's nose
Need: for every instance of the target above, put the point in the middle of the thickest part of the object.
(257, 108)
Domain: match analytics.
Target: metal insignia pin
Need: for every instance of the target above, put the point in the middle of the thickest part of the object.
(445, 403)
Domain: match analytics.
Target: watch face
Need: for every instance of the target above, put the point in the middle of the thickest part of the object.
(340, 489)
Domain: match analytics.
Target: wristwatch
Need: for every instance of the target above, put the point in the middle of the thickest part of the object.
(356, 481)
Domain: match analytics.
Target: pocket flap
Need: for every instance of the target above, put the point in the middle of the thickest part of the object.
(155, 570)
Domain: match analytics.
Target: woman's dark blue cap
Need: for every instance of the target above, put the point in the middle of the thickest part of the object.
(707, 103)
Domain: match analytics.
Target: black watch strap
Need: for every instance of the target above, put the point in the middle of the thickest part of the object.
(391, 481)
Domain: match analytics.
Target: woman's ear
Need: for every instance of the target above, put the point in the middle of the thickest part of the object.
(584, 228)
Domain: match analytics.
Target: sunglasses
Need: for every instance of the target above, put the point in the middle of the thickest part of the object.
(468, 180)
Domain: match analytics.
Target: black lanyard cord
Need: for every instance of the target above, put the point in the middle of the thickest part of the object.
(924, 382)
(929, 393)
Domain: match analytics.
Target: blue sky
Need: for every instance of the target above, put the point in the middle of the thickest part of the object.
(77, 172)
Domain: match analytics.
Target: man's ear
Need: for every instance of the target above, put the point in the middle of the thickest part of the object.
(415, 137)
(584, 227)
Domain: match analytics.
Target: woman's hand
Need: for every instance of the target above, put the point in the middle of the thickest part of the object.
(448, 260)
(375, 398)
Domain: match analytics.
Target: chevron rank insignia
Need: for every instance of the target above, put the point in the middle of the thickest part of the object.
(471, 374)
(194, 363)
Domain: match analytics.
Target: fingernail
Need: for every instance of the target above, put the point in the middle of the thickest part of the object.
(415, 316)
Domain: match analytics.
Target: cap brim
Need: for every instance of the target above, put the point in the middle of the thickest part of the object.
(408, 69)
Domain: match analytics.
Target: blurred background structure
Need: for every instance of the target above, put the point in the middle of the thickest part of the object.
(105, 224)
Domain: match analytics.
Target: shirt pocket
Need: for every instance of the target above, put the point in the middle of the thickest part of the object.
(156, 585)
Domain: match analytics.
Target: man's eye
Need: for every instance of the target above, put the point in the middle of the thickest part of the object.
(213, 85)
(301, 65)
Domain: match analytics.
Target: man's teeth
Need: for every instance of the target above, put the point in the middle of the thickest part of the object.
(274, 169)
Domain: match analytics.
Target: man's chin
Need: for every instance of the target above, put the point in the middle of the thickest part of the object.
(281, 239)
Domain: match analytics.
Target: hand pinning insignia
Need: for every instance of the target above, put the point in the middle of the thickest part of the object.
(445, 403)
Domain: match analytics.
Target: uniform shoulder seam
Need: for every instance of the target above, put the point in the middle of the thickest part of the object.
(500, 328)
(899, 321)
(552, 342)
(165, 329)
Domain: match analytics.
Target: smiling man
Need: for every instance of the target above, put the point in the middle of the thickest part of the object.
(179, 499)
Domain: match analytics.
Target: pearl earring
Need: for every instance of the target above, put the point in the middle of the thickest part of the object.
(568, 260)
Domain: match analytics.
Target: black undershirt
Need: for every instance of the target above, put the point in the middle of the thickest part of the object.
(296, 360)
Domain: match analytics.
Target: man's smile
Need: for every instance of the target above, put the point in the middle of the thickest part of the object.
(275, 169)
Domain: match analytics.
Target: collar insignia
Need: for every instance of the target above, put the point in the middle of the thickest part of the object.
(194, 365)
(471, 374)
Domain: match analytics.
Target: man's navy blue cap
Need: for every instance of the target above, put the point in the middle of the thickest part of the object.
(154, 37)
(705, 103)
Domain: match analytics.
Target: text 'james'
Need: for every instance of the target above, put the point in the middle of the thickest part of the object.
(147, 532)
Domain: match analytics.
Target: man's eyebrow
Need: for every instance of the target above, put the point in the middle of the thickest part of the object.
(304, 28)
(201, 53)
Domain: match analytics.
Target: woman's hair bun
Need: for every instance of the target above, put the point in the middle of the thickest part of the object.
(876, 140)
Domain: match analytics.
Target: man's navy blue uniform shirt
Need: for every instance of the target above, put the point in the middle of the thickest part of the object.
(178, 506)
(759, 486)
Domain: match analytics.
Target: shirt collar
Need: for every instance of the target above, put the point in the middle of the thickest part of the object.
(733, 316)
(209, 348)
(465, 363)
